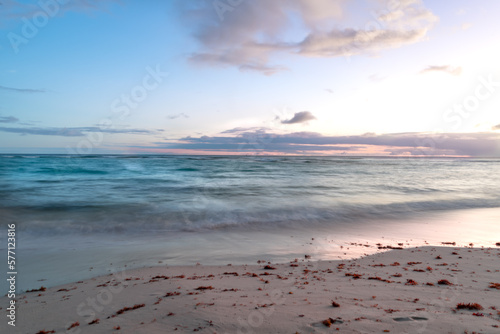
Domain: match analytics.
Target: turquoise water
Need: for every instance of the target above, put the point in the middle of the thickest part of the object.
(81, 216)
(106, 194)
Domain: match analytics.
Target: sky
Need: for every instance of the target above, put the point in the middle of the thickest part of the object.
(274, 77)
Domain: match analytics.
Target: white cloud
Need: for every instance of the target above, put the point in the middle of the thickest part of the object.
(250, 33)
(466, 26)
(445, 68)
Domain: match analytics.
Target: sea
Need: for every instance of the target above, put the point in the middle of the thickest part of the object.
(80, 216)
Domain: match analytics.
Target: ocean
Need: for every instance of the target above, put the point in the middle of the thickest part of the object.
(81, 216)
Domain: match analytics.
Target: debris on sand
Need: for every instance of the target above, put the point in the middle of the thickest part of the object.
(469, 306)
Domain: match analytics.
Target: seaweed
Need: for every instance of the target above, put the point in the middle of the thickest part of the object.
(354, 276)
(410, 282)
(444, 282)
(125, 309)
(495, 285)
(469, 306)
(73, 325)
(170, 294)
(328, 322)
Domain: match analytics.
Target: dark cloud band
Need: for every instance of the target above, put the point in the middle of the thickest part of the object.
(455, 144)
(71, 132)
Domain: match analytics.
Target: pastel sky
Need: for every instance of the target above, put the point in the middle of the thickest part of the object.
(350, 77)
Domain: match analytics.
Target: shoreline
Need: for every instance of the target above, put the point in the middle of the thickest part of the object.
(64, 258)
(397, 290)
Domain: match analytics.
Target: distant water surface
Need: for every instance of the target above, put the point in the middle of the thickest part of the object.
(77, 212)
(94, 194)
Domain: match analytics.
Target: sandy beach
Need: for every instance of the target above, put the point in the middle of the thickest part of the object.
(413, 290)
(250, 167)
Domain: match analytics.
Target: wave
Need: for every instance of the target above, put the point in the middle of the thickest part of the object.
(59, 218)
(186, 169)
(70, 170)
(95, 193)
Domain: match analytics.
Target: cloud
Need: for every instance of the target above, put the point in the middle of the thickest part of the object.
(349, 42)
(13, 10)
(245, 130)
(71, 132)
(466, 26)
(248, 34)
(177, 116)
(418, 144)
(496, 127)
(23, 90)
(300, 117)
(445, 68)
(8, 119)
(266, 70)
